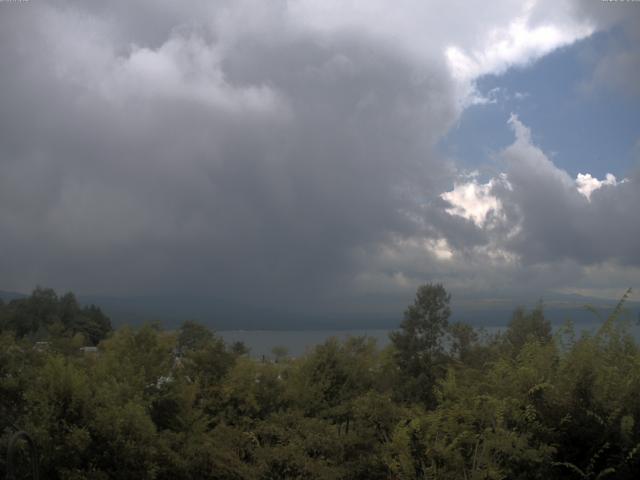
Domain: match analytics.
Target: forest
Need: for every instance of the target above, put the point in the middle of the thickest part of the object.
(442, 401)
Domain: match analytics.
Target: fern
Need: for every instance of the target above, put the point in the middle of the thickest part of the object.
(607, 326)
(571, 467)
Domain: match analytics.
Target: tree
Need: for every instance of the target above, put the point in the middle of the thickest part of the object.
(463, 339)
(193, 336)
(419, 351)
(44, 315)
(92, 323)
(525, 327)
(239, 348)
(27, 315)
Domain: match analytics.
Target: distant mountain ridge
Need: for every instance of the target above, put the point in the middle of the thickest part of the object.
(221, 314)
(8, 296)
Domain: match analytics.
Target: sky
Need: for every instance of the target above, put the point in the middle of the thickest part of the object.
(325, 157)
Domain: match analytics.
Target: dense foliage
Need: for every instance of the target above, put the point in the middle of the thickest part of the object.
(442, 401)
(44, 315)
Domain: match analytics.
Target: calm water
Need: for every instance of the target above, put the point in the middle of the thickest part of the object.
(297, 342)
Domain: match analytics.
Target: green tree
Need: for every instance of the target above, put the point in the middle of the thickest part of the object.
(45, 316)
(239, 348)
(193, 336)
(464, 339)
(526, 326)
(419, 343)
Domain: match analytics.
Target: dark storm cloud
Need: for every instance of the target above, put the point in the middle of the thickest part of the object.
(246, 167)
(283, 153)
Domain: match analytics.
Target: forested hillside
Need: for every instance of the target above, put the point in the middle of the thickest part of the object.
(443, 401)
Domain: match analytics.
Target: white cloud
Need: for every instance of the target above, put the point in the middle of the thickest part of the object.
(478, 39)
(474, 201)
(587, 184)
(183, 67)
(514, 44)
(440, 248)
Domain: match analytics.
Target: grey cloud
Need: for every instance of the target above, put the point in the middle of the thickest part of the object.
(618, 67)
(221, 148)
(555, 222)
(259, 179)
(546, 237)
(618, 70)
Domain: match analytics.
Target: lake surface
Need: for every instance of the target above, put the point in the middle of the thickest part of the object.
(298, 342)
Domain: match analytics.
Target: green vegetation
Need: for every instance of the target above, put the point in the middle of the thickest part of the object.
(442, 401)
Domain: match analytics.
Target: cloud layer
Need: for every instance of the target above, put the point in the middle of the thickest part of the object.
(535, 217)
(282, 152)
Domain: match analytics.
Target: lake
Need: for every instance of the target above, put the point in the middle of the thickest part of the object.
(297, 342)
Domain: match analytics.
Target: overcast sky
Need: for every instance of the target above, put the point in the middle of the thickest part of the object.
(319, 154)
